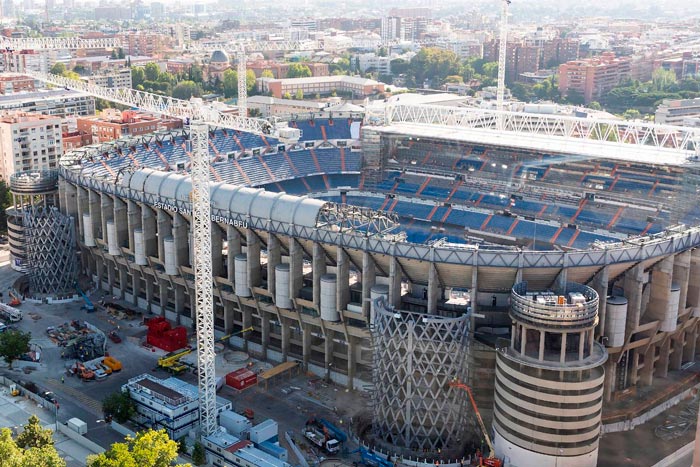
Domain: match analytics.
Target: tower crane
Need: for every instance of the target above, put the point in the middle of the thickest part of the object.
(201, 116)
(492, 460)
(502, 47)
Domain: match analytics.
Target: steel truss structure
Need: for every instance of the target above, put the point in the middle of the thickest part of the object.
(50, 246)
(58, 43)
(201, 233)
(162, 105)
(416, 356)
(586, 136)
(343, 217)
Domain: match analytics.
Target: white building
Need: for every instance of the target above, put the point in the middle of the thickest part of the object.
(373, 62)
(29, 142)
(677, 111)
(170, 404)
(111, 79)
(225, 450)
(56, 102)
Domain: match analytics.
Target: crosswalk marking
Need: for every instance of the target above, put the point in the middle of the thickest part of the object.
(87, 402)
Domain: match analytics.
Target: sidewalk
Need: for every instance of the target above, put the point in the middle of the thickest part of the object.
(14, 413)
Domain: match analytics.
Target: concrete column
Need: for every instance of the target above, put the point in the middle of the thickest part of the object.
(181, 238)
(633, 284)
(600, 285)
(523, 339)
(165, 229)
(123, 279)
(541, 354)
(660, 285)
(562, 355)
(247, 321)
(681, 276)
(99, 272)
(228, 316)
(328, 353)
(274, 257)
(582, 337)
(217, 245)
(394, 282)
(342, 284)
(163, 291)
(133, 215)
(677, 345)
(693, 294)
(179, 299)
(83, 206)
(513, 330)
(121, 222)
(107, 208)
(95, 210)
(296, 268)
(661, 369)
(265, 333)
(319, 269)
(135, 285)
(148, 286)
(233, 240)
(369, 278)
(285, 339)
(111, 276)
(253, 252)
(610, 378)
(691, 339)
(433, 289)
(306, 344)
(351, 361)
(647, 373)
(148, 225)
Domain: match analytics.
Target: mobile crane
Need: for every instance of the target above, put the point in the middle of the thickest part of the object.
(492, 460)
(171, 361)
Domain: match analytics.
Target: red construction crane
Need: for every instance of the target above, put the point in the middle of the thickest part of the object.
(492, 460)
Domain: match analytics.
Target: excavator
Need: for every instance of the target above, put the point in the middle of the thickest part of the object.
(171, 361)
(14, 299)
(492, 460)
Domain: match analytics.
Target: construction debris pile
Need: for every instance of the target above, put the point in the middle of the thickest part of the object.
(81, 340)
(676, 426)
(121, 312)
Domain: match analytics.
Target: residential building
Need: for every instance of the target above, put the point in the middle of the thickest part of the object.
(29, 141)
(677, 111)
(56, 102)
(322, 85)
(113, 124)
(95, 64)
(170, 404)
(20, 60)
(13, 84)
(178, 65)
(373, 63)
(111, 79)
(271, 107)
(593, 77)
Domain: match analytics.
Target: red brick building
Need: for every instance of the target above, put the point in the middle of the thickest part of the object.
(593, 77)
(12, 84)
(113, 124)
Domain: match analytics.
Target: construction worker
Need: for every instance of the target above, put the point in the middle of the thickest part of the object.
(63, 379)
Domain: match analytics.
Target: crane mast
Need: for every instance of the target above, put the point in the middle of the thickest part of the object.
(242, 84)
(502, 47)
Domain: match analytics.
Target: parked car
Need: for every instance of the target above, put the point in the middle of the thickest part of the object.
(114, 337)
(48, 395)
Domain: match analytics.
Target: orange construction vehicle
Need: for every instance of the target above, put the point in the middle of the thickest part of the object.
(492, 460)
(14, 300)
(83, 373)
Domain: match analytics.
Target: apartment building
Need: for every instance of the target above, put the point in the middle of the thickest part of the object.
(593, 77)
(55, 102)
(111, 79)
(12, 84)
(322, 85)
(29, 142)
(677, 111)
(113, 124)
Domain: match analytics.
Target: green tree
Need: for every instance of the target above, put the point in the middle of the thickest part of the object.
(297, 70)
(631, 114)
(152, 71)
(522, 92)
(148, 449)
(594, 105)
(14, 344)
(5, 202)
(119, 405)
(287, 95)
(490, 70)
(138, 76)
(432, 64)
(399, 66)
(182, 446)
(230, 83)
(81, 70)
(267, 74)
(454, 79)
(186, 89)
(12, 455)
(299, 95)
(250, 81)
(198, 455)
(575, 97)
(196, 74)
(58, 69)
(663, 80)
(34, 436)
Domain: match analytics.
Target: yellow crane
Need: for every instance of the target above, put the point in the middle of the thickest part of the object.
(171, 361)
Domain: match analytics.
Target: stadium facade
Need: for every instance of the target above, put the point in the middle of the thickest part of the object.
(302, 233)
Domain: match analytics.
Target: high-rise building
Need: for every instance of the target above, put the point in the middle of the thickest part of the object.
(29, 142)
(392, 29)
(593, 77)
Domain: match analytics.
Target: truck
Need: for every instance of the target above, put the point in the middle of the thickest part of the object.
(321, 437)
(9, 313)
(372, 459)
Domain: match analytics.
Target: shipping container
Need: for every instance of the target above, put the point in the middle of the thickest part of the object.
(241, 379)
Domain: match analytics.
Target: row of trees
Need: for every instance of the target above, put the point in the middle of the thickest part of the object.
(31, 448)
(439, 66)
(645, 97)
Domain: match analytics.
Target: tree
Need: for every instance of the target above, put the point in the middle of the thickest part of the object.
(594, 105)
(287, 95)
(81, 70)
(12, 455)
(138, 76)
(490, 70)
(58, 69)
(267, 74)
(631, 114)
(186, 89)
(198, 455)
(297, 70)
(399, 66)
(299, 95)
(575, 97)
(454, 79)
(196, 74)
(119, 405)
(148, 449)
(182, 446)
(152, 71)
(663, 80)
(432, 64)
(34, 436)
(5, 202)
(230, 83)
(14, 344)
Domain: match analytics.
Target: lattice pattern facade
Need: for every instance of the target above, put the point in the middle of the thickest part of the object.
(415, 357)
(50, 247)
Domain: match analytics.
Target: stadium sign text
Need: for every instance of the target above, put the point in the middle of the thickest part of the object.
(188, 212)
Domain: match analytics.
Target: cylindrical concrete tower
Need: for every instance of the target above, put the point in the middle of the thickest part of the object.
(42, 240)
(549, 381)
(416, 356)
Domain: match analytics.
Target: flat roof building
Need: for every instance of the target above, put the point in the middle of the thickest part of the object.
(322, 85)
(113, 124)
(55, 102)
(28, 142)
(593, 77)
(224, 449)
(677, 111)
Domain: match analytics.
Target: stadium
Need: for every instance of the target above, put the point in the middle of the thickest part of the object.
(575, 241)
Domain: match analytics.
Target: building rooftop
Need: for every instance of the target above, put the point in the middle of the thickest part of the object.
(19, 116)
(42, 94)
(329, 79)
